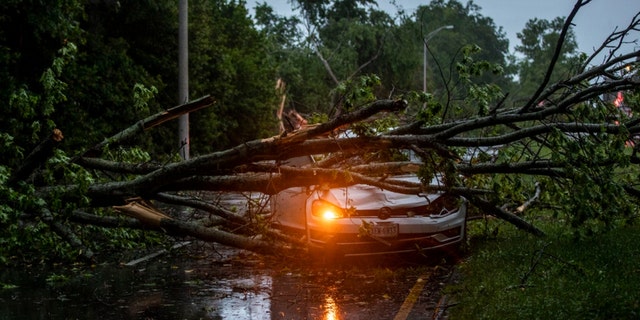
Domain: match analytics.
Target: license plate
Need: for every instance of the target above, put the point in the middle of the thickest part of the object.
(384, 230)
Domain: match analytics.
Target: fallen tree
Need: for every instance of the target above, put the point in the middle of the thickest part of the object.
(561, 140)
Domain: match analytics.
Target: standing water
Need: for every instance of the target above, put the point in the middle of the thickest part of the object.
(224, 285)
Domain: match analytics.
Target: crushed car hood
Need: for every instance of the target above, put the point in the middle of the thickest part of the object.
(366, 197)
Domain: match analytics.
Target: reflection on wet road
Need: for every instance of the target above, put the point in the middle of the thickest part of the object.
(236, 298)
(223, 284)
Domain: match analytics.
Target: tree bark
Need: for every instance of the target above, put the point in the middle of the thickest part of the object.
(183, 228)
(149, 123)
(497, 211)
(67, 234)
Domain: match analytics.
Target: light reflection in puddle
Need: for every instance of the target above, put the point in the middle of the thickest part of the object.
(240, 299)
(330, 308)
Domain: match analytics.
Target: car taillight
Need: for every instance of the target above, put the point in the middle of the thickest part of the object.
(325, 210)
(444, 205)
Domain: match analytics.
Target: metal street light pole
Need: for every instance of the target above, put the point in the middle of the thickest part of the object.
(424, 65)
(183, 77)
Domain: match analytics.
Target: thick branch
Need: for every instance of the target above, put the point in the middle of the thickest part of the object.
(348, 118)
(327, 67)
(182, 228)
(150, 122)
(202, 205)
(492, 209)
(537, 131)
(257, 150)
(117, 167)
(539, 167)
(67, 234)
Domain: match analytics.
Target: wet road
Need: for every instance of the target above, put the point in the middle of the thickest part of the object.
(358, 291)
(202, 281)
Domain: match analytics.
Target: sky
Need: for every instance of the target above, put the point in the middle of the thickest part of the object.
(593, 23)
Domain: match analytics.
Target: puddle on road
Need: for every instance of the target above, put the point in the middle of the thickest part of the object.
(183, 288)
(237, 299)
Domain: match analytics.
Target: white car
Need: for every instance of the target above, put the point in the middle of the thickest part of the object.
(367, 220)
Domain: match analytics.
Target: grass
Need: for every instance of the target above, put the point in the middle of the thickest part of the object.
(513, 275)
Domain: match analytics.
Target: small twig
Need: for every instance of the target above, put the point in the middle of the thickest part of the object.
(155, 254)
(441, 307)
(534, 263)
(572, 265)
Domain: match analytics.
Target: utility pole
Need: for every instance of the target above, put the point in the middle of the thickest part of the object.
(183, 77)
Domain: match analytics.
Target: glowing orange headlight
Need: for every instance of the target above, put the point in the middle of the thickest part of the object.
(325, 210)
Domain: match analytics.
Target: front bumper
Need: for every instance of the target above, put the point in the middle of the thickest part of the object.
(345, 237)
(355, 245)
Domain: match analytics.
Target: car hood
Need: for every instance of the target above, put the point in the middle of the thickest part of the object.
(366, 197)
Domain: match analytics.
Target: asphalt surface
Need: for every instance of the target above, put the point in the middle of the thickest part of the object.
(205, 281)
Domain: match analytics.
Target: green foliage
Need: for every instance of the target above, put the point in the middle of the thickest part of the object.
(117, 240)
(355, 38)
(596, 200)
(57, 278)
(538, 42)
(354, 93)
(128, 155)
(111, 89)
(91, 69)
(29, 117)
(482, 95)
(37, 43)
(589, 198)
(317, 118)
(229, 62)
(34, 108)
(142, 96)
(470, 29)
(54, 88)
(27, 235)
(18, 236)
(7, 286)
(518, 276)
